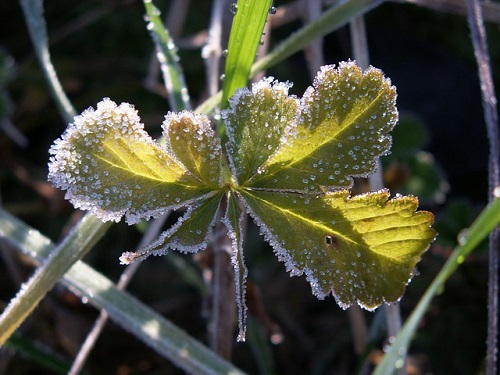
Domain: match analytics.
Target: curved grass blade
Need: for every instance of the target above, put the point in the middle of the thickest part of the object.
(479, 230)
(173, 76)
(33, 14)
(126, 311)
(74, 247)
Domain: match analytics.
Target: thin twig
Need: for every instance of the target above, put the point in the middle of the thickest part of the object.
(490, 9)
(314, 51)
(212, 51)
(478, 37)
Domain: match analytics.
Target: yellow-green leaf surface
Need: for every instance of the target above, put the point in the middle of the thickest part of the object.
(361, 249)
(109, 165)
(343, 126)
(192, 140)
(191, 233)
(256, 124)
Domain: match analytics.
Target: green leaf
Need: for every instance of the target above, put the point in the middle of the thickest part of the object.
(109, 165)
(192, 140)
(190, 234)
(484, 224)
(361, 249)
(256, 123)
(343, 126)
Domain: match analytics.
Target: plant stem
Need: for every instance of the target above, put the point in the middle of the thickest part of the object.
(478, 36)
(223, 292)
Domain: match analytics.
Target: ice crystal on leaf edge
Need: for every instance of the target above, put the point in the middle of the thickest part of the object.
(290, 161)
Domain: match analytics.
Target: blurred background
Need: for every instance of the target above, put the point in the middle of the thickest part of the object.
(102, 49)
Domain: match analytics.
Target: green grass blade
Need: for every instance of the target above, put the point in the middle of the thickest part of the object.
(74, 247)
(167, 56)
(246, 33)
(122, 308)
(33, 14)
(487, 221)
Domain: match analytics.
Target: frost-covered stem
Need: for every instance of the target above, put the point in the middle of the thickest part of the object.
(314, 51)
(263, 48)
(376, 182)
(212, 51)
(73, 248)
(173, 76)
(478, 36)
(174, 21)
(223, 292)
(33, 14)
(152, 232)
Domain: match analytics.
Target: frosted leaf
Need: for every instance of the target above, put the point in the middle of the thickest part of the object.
(257, 122)
(109, 165)
(344, 121)
(233, 222)
(190, 234)
(192, 140)
(367, 256)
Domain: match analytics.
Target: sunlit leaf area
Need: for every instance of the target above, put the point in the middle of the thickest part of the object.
(355, 168)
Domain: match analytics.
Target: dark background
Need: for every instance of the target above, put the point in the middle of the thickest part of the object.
(428, 56)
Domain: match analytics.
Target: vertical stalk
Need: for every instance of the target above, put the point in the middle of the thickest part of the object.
(478, 37)
(223, 292)
(223, 308)
(361, 54)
